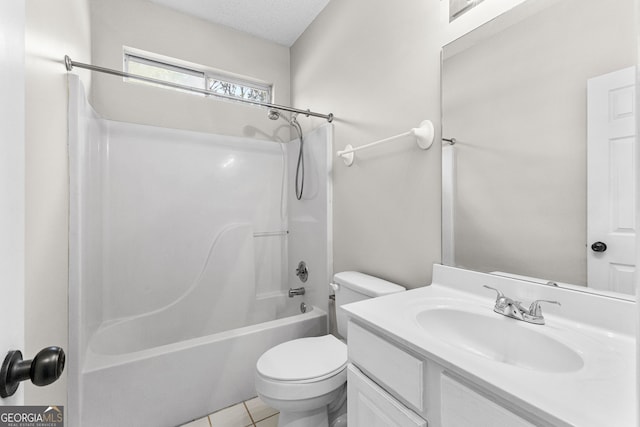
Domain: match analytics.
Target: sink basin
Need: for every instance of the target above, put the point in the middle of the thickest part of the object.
(500, 338)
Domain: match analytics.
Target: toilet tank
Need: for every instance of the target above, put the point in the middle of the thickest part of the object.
(352, 286)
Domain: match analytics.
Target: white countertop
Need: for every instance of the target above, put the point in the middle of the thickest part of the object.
(601, 393)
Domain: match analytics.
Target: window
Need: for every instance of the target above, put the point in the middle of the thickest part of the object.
(162, 71)
(239, 90)
(196, 77)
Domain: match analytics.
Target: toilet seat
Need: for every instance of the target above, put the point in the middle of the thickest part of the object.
(303, 368)
(306, 379)
(304, 359)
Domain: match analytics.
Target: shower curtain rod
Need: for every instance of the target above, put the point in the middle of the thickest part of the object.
(70, 64)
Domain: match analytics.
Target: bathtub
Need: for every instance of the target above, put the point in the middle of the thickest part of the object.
(180, 244)
(174, 383)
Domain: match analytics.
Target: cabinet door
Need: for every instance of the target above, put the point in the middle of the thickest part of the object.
(464, 407)
(370, 406)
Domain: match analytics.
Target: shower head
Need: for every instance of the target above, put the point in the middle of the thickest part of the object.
(273, 114)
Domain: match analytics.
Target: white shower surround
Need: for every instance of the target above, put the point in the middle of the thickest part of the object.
(168, 268)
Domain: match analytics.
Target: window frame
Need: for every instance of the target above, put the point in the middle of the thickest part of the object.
(207, 74)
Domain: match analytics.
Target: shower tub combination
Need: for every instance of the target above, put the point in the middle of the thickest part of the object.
(183, 246)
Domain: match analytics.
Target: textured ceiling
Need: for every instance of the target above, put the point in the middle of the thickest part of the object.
(280, 21)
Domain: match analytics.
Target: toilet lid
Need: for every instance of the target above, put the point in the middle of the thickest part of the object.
(303, 359)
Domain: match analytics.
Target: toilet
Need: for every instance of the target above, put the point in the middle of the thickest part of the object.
(306, 378)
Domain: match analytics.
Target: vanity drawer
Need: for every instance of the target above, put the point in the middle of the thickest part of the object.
(396, 370)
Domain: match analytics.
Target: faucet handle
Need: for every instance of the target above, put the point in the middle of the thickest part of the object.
(535, 309)
(499, 292)
(502, 301)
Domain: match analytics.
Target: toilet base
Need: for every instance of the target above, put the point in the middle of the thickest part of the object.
(311, 418)
(317, 418)
(341, 421)
(315, 412)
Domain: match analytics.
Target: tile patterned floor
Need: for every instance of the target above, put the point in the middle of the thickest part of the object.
(252, 413)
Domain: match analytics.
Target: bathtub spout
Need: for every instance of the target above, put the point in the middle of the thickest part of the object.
(296, 291)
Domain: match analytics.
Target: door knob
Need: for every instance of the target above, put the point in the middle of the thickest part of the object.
(599, 247)
(44, 369)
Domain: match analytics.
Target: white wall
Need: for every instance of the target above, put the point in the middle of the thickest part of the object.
(153, 28)
(53, 29)
(377, 69)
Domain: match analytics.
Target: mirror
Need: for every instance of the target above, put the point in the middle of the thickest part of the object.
(541, 104)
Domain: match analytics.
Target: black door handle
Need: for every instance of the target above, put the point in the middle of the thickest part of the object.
(44, 369)
(599, 247)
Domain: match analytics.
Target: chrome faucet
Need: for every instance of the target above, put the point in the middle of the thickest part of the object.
(296, 291)
(514, 309)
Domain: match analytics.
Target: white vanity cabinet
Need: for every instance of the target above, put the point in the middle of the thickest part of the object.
(439, 356)
(389, 385)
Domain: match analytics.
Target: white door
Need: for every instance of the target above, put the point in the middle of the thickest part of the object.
(611, 169)
(12, 182)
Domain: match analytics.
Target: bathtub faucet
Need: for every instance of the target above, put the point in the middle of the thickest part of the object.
(296, 291)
